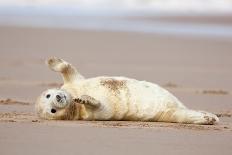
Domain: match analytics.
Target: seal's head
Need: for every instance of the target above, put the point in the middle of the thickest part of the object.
(55, 104)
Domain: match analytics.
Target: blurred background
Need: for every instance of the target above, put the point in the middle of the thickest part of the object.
(184, 45)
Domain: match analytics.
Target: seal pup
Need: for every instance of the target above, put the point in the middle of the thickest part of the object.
(112, 98)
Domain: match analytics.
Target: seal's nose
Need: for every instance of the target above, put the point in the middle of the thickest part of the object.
(58, 98)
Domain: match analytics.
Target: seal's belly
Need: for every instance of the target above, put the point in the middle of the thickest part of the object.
(124, 99)
(134, 100)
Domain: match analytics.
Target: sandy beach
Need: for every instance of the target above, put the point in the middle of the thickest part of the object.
(197, 70)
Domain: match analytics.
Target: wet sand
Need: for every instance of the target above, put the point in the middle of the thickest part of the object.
(198, 71)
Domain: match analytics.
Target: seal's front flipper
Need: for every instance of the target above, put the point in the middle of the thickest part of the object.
(88, 101)
(68, 71)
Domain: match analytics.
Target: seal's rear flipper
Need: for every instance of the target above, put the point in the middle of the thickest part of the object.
(88, 101)
(68, 71)
(188, 116)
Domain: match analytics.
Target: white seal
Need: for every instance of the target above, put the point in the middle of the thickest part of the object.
(113, 98)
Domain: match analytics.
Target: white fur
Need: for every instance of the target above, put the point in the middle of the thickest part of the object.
(120, 98)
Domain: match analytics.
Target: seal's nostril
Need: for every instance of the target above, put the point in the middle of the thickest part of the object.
(58, 96)
(53, 110)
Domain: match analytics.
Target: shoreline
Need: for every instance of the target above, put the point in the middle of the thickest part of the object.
(196, 26)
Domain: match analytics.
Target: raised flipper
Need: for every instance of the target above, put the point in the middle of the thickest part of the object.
(69, 72)
(88, 101)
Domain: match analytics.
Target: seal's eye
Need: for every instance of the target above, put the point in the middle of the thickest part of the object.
(53, 110)
(48, 96)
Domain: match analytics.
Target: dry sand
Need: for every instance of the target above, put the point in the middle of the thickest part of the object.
(198, 71)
